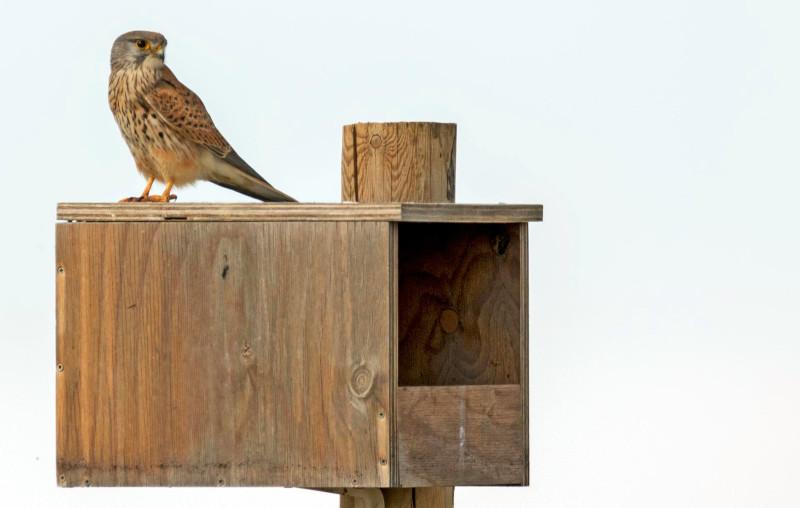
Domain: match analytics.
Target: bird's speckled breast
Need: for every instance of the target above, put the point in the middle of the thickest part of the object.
(155, 147)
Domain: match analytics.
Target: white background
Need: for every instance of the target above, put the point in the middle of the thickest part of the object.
(661, 137)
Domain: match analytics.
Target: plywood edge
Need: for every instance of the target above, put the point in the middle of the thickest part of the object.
(471, 213)
(276, 212)
(227, 212)
(524, 364)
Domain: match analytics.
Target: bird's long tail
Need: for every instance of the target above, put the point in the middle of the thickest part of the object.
(255, 189)
(235, 174)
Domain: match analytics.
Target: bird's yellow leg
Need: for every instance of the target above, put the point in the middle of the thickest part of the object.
(166, 197)
(144, 195)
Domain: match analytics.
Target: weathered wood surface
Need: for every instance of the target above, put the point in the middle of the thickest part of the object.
(223, 353)
(406, 162)
(428, 497)
(524, 327)
(476, 432)
(400, 162)
(459, 304)
(297, 212)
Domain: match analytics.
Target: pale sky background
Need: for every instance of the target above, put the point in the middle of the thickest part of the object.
(662, 138)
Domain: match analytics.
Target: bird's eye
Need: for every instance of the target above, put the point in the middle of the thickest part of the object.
(142, 44)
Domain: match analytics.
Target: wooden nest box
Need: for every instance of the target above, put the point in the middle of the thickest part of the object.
(371, 344)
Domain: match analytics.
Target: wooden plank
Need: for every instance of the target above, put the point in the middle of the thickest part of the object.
(394, 466)
(470, 213)
(524, 330)
(229, 212)
(223, 353)
(459, 304)
(297, 212)
(460, 435)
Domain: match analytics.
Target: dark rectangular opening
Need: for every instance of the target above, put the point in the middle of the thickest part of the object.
(458, 304)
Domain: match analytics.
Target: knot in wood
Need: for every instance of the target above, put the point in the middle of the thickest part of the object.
(500, 243)
(375, 141)
(449, 321)
(361, 381)
(247, 353)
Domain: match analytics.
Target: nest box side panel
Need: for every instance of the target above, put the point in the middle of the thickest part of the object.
(223, 353)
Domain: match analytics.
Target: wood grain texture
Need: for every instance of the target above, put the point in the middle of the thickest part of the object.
(425, 497)
(460, 435)
(223, 354)
(297, 212)
(417, 164)
(398, 162)
(349, 191)
(443, 162)
(473, 270)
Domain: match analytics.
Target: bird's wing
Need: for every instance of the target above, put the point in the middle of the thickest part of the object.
(184, 112)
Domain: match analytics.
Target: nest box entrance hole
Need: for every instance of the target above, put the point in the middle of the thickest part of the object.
(459, 304)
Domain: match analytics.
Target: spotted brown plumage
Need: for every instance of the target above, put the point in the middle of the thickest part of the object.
(167, 128)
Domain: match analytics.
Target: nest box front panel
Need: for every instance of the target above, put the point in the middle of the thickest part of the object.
(222, 353)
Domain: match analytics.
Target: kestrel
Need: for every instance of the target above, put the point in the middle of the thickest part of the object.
(167, 128)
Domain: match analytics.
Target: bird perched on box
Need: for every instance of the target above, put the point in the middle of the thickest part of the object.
(167, 128)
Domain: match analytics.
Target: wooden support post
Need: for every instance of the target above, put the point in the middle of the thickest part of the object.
(399, 162)
(429, 497)
(412, 162)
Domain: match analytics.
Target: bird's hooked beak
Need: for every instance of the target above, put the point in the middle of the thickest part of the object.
(158, 51)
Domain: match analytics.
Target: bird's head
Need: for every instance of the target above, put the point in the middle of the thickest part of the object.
(138, 48)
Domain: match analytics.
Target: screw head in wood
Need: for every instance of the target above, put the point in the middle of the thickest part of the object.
(87, 482)
(221, 482)
(354, 481)
(383, 461)
(61, 270)
(381, 415)
(60, 367)
(62, 478)
(375, 141)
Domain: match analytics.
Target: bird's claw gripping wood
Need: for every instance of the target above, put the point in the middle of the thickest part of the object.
(156, 198)
(166, 197)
